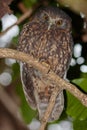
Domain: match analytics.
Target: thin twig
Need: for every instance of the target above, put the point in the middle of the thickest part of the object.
(20, 20)
(24, 16)
(22, 7)
(27, 14)
(49, 75)
(49, 109)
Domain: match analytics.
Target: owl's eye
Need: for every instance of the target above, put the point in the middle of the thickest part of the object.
(46, 17)
(59, 22)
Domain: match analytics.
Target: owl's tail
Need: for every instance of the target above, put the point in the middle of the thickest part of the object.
(57, 110)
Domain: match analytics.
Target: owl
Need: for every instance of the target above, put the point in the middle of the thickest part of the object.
(47, 37)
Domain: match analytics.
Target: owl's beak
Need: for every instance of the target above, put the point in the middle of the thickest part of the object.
(51, 22)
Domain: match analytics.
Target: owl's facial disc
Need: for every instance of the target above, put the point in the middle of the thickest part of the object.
(53, 17)
(52, 21)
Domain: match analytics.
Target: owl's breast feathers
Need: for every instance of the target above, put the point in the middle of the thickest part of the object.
(51, 46)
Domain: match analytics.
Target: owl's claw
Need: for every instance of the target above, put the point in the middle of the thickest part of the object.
(47, 66)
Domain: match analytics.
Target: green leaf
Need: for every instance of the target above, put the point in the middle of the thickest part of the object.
(74, 107)
(15, 40)
(16, 72)
(80, 125)
(29, 3)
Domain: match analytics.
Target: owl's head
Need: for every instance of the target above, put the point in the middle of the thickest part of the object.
(53, 16)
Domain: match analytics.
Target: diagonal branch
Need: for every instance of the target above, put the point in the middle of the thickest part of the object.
(49, 75)
(20, 20)
(49, 109)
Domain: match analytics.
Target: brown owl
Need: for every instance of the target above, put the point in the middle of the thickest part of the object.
(47, 37)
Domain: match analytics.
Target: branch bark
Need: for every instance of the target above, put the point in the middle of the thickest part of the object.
(51, 104)
(49, 75)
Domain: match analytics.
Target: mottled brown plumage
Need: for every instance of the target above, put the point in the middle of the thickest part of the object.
(46, 37)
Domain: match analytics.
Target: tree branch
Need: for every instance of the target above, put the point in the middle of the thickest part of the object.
(50, 76)
(27, 14)
(20, 20)
(49, 109)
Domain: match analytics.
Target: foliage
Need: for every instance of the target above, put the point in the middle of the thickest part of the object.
(75, 109)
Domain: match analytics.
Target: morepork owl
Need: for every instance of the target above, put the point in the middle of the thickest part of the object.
(47, 37)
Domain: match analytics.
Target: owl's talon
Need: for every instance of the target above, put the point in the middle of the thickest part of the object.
(47, 66)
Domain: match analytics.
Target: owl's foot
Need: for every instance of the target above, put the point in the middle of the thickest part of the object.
(46, 65)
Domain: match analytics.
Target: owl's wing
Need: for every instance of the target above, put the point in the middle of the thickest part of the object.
(27, 85)
(24, 45)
